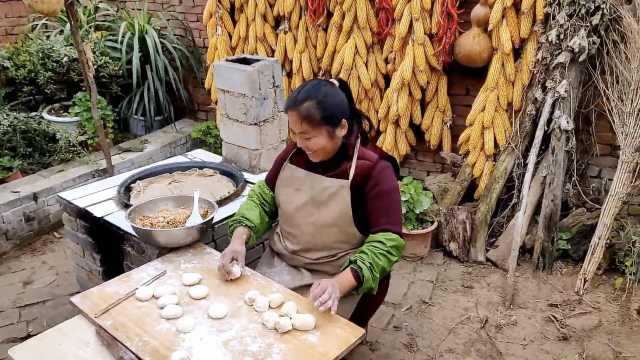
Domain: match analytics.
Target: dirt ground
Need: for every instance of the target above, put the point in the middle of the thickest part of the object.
(452, 311)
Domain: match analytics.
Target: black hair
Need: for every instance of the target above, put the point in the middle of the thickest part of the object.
(321, 102)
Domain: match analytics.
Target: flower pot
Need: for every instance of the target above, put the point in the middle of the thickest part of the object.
(67, 124)
(139, 126)
(13, 176)
(418, 242)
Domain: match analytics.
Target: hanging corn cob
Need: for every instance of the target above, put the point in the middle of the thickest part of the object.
(219, 27)
(254, 33)
(488, 122)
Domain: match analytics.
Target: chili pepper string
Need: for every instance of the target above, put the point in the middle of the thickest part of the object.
(316, 10)
(447, 30)
(384, 11)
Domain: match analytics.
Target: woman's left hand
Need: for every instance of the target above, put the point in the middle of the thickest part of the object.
(325, 294)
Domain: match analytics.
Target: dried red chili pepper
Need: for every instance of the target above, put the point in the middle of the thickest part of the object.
(447, 31)
(384, 12)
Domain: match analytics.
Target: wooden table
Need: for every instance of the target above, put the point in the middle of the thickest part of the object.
(138, 326)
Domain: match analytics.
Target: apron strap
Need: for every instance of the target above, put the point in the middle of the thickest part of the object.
(354, 161)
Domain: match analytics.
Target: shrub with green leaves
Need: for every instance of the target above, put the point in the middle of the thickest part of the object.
(81, 108)
(416, 201)
(8, 166)
(208, 134)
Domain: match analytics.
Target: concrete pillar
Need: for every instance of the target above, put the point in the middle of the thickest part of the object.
(250, 116)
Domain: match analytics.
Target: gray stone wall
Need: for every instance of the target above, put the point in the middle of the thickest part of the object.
(29, 206)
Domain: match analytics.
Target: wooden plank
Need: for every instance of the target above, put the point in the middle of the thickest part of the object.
(138, 326)
(104, 208)
(119, 219)
(98, 197)
(203, 155)
(74, 339)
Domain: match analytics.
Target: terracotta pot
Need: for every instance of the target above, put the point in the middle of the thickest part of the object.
(13, 176)
(418, 242)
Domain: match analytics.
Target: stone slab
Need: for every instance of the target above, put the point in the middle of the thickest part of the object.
(382, 317)
(254, 136)
(397, 289)
(9, 317)
(251, 160)
(13, 332)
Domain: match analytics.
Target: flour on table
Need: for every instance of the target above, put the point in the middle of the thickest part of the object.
(185, 324)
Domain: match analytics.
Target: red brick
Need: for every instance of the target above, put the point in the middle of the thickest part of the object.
(603, 125)
(191, 17)
(17, 30)
(606, 138)
(14, 22)
(462, 100)
(604, 149)
(462, 111)
(154, 7)
(200, 2)
(425, 156)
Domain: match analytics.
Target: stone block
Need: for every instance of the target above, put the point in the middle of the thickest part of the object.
(9, 317)
(13, 332)
(608, 173)
(397, 289)
(253, 161)
(247, 109)
(593, 170)
(254, 136)
(238, 77)
(604, 162)
(382, 317)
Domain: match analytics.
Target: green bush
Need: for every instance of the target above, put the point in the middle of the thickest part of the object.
(81, 108)
(32, 141)
(416, 201)
(208, 134)
(8, 166)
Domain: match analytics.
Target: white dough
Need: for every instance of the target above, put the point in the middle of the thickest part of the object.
(218, 311)
(190, 279)
(283, 324)
(269, 319)
(163, 290)
(275, 300)
(185, 324)
(144, 293)
(250, 297)
(235, 271)
(304, 322)
(198, 292)
(180, 355)
(261, 304)
(171, 312)
(168, 300)
(289, 308)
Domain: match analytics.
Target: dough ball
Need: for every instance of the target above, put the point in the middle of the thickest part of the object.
(199, 292)
(250, 297)
(144, 293)
(261, 304)
(235, 271)
(190, 279)
(275, 300)
(171, 312)
(180, 355)
(269, 319)
(304, 322)
(283, 324)
(163, 290)
(218, 311)
(168, 300)
(289, 308)
(185, 324)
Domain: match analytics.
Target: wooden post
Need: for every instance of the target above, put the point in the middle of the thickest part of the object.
(455, 231)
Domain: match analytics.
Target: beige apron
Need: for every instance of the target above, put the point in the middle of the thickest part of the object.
(316, 232)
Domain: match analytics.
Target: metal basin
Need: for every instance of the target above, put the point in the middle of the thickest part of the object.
(171, 238)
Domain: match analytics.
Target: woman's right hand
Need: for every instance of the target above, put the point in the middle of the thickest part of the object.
(235, 252)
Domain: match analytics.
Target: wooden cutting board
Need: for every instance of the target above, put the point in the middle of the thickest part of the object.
(139, 327)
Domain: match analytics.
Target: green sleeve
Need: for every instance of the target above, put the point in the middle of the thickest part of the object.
(258, 212)
(375, 258)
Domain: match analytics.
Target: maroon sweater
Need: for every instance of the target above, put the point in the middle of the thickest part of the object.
(375, 195)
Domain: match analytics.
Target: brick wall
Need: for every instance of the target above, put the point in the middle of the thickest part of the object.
(13, 18)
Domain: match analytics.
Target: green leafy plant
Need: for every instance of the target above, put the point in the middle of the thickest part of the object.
(155, 62)
(562, 243)
(94, 17)
(627, 254)
(416, 201)
(8, 166)
(208, 134)
(81, 108)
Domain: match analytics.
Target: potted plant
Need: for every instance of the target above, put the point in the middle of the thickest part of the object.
(417, 222)
(156, 64)
(81, 109)
(58, 115)
(9, 169)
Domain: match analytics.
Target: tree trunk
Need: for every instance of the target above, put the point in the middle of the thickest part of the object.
(86, 64)
(455, 231)
(622, 181)
(458, 188)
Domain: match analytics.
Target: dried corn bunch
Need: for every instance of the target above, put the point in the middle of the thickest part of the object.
(219, 27)
(437, 119)
(306, 63)
(488, 122)
(289, 13)
(255, 28)
(352, 53)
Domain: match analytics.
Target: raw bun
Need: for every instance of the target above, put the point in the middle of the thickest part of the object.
(185, 324)
(250, 297)
(180, 355)
(304, 322)
(171, 312)
(144, 293)
(275, 300)
(235, 271)
(168, 300)
(261, 304)
(289, 308)
(163, 290)
(218, 311)
(269, 319)
(190, 279)
(199, 292)
(283, 324)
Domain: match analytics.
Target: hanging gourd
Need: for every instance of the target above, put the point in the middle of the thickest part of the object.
(45, 7)
(473, 48)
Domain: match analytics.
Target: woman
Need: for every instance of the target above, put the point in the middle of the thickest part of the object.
(336, 204)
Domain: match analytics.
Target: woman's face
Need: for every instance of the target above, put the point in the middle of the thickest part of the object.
(318, 142)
